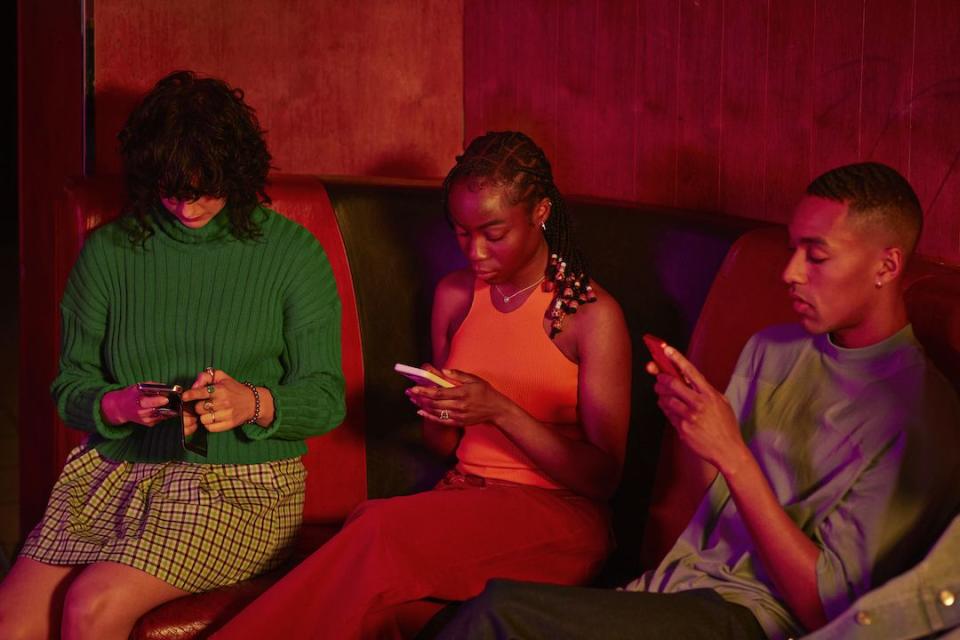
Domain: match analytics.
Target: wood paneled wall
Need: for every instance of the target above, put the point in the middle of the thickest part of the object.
(357, 88)
(725, 105)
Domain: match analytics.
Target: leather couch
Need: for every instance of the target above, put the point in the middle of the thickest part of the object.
(703, 282)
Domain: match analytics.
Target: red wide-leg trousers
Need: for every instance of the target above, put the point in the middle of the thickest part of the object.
(445, 544)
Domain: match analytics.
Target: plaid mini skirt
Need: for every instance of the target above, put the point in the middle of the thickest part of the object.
(194, 526)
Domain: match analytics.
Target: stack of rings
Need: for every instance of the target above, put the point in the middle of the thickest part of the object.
(444, 414)
(208, 403)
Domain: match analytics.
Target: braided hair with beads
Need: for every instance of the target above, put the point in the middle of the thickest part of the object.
(512, 160)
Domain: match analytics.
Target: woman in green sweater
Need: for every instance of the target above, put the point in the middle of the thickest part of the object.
(201, 286)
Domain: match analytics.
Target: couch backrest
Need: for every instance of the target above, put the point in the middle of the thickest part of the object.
(336, 481)
(747, 295)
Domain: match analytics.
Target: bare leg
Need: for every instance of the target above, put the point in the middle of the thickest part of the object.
(31, 599)
(107, 598)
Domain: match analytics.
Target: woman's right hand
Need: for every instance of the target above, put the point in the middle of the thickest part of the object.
(129, 405)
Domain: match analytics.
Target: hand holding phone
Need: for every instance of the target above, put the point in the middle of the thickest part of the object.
(171, 392)
(656, 347)
(195, 441)
(422, 377)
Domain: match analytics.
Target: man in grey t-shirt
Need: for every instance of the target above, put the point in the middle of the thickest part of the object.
(834, 443)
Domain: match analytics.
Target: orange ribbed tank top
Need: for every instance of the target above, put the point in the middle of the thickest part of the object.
(512, 352)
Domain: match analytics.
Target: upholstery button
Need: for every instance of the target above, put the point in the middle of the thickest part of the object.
(863, 618)
(947, 598)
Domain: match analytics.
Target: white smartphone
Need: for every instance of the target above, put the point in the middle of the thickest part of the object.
(422, 376)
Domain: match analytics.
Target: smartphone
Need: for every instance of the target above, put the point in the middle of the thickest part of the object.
(196, 441)
(170, 391)
(422, 376)
(655, 345)
(157, 389)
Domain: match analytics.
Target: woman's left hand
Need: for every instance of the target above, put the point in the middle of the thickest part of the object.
(221, 402)
(472, 401)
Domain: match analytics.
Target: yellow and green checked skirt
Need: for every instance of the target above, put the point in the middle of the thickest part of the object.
(194, 526)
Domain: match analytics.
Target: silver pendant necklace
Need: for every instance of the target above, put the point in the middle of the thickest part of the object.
(508, 298)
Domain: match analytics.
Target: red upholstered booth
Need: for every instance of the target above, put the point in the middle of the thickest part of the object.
(709, 281)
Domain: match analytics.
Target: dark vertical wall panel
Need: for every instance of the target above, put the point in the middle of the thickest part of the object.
(699, 73)
(733, 105)
(935, 124)
(655, 115)
(50, 54)
(746, 31)
(789, 99)
(489, 75)
(837, 48)
(576, 96)
(613, 161)
(887, 73)
(535, 60)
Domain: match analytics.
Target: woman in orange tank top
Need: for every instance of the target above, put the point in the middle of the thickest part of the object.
(540, 359)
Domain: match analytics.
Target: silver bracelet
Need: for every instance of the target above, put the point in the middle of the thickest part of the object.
(256, 402)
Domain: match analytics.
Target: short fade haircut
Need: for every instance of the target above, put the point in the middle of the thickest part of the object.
(874, 194)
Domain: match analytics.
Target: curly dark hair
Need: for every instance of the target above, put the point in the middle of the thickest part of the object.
(192, 137)
(511, 159)
(876, 194)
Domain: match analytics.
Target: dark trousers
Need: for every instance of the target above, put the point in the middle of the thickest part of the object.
(509, 610)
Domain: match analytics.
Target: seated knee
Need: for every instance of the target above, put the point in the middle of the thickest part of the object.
(90, 606)
(19, 625)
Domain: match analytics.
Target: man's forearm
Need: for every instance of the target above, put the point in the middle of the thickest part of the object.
(788, 555)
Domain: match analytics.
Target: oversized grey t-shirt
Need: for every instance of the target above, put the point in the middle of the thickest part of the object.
(860, 447)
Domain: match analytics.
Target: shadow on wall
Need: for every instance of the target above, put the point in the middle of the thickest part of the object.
(409, 163)
(105, 117)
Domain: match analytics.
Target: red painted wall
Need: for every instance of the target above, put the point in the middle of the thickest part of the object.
(725, 106)
(357, 88)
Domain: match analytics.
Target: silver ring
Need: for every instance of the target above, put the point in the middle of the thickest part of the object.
(444, 414)
(208, 406)
(209, 372)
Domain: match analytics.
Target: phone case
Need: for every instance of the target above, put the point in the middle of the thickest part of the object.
(665, 364)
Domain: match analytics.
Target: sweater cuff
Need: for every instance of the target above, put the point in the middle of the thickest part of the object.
(256, 432)
(104, 428)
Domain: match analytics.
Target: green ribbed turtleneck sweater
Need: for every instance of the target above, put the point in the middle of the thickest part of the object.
(264, 311)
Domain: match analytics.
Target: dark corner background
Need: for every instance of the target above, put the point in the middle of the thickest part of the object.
(10, 291)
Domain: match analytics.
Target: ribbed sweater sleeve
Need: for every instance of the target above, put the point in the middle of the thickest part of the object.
(310, 398)
(82, 381)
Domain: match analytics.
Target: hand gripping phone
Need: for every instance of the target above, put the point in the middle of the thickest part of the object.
(421, 376)
(655, 345)
(196, 441)
(172, 392)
